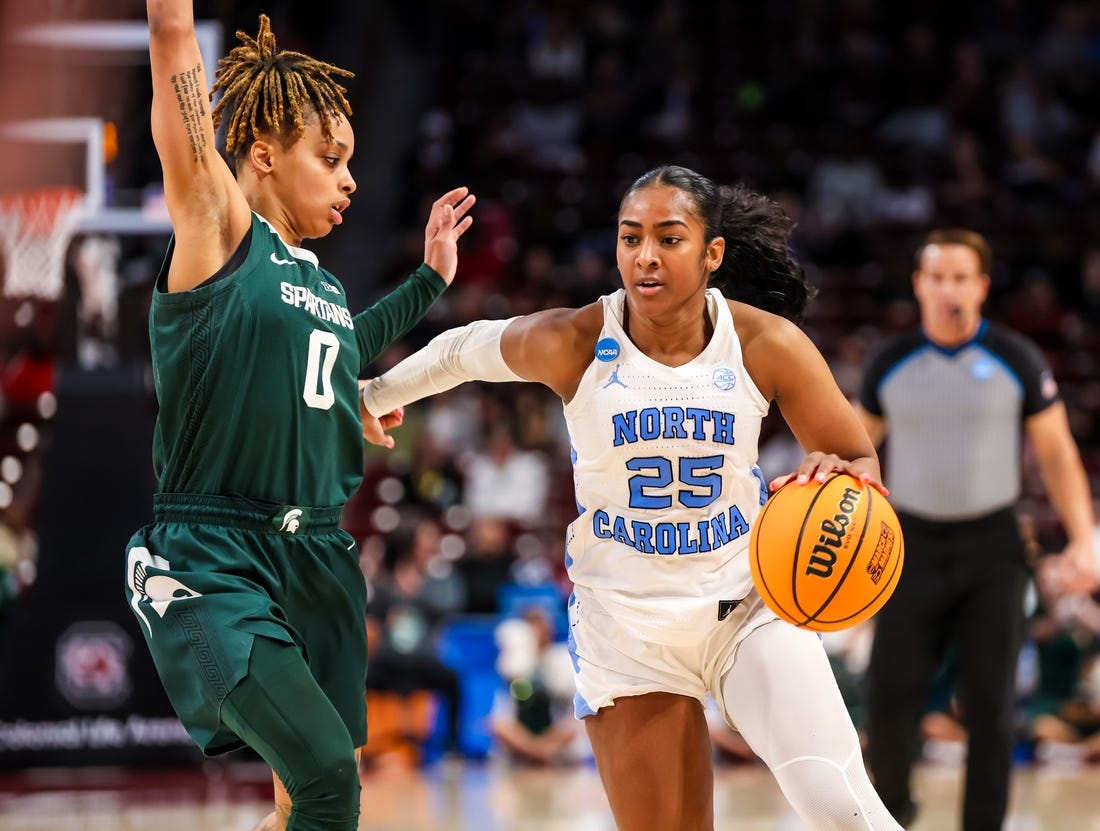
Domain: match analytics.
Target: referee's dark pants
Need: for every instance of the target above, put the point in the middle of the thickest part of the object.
(963, 583)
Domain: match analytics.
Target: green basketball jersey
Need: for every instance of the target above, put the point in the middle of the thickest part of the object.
(256, 375)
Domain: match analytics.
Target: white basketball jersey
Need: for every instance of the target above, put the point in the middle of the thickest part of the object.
(664, 468)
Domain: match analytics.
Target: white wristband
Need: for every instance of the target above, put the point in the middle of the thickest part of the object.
(469, 353)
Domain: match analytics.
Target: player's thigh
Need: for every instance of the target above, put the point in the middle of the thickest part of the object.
(781, 695)
(330, 620)
(653, 755)
(279, 710)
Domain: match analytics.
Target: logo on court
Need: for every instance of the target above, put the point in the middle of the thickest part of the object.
(291, 521)
(158, 589)
(278, 261)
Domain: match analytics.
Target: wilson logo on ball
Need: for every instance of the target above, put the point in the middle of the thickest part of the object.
(826, 555)
(833, 530)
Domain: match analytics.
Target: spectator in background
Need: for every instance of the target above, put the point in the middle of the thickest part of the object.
(405, 608)
(952, 396)
(505, 482)
(849, 357)
(1089, 286)
(1065, 712)
(486, 564)
(533, 718)
(845, 185)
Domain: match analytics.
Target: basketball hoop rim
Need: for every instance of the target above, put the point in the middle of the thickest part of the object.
(36, 226)
(59, 207)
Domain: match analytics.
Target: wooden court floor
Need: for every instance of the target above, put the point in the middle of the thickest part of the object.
(483, 797)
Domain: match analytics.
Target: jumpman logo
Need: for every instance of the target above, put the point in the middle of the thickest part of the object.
(615, 379)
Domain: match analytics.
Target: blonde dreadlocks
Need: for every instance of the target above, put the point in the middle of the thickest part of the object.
(267, 90)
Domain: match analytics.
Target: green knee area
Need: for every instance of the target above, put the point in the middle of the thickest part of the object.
(279, 710)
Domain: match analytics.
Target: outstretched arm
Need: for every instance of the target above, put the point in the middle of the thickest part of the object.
(469, 353)
(208, 211)
(551, 347)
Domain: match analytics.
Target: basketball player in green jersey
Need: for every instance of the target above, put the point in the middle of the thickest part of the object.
(248, 593)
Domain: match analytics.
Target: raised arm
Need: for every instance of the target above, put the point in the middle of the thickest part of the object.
(208, 211)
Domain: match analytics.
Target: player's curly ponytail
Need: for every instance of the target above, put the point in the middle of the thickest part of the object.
(265, 90)
(758, 267)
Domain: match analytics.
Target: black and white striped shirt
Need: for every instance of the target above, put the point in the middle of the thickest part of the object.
(954, 419)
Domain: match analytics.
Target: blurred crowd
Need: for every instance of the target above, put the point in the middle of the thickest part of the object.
(869, 122)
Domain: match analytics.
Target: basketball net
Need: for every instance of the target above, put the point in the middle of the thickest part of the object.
(35, 229)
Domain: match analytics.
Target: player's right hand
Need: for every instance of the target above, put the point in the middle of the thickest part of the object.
(375, 430)
(446, 223)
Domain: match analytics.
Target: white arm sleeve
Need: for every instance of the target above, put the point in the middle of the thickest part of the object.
(469, 353)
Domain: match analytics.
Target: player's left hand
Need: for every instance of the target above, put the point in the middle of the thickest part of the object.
(446, 223)
(375, 430)
(817, 466)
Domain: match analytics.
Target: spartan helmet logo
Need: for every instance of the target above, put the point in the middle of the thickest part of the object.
(158, 589)
(290, 521)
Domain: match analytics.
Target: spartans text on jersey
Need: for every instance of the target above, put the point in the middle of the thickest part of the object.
(301, 297)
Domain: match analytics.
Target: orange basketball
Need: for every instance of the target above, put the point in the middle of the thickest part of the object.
(826, 556)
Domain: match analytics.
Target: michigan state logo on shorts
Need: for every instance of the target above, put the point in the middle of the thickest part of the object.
(157, 590)
(290, 519)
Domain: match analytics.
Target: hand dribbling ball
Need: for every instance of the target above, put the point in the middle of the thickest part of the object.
(826, 556)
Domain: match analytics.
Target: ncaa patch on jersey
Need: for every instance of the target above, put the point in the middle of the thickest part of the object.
(607, 350)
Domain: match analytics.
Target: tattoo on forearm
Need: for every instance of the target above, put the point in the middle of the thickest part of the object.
(192, 103)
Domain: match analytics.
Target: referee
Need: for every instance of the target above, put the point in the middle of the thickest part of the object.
(952, 396)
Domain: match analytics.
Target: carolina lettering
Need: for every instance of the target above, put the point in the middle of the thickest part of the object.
(696, 537)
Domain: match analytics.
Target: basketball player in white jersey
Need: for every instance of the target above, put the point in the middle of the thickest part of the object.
(664, 385)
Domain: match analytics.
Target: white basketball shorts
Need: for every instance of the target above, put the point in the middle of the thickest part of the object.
(613, 659)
